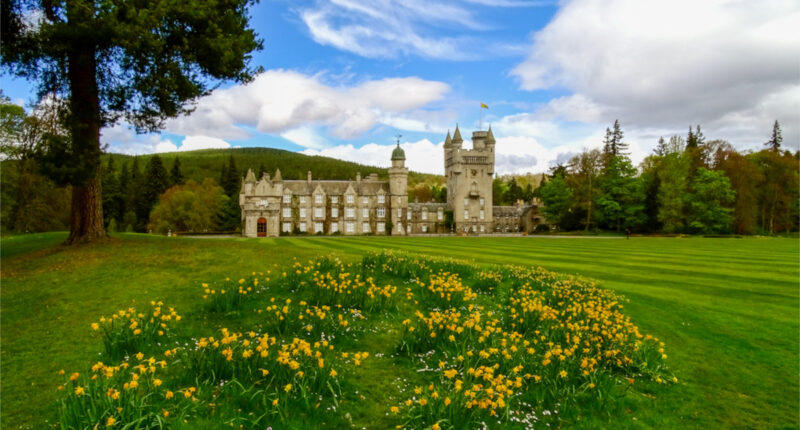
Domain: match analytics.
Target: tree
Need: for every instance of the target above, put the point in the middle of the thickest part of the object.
(672, 177)
(137, 61)
(175, 175)
(231, 180)
(620, 202)
(708, 204)
(191, 207)
(584, 169)
(778, 193)
(557, 200)
(422, 193)
(113, 202)
(774, 142)
(745, 177)
(154, 183)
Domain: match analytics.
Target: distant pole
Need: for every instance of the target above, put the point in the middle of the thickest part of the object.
(398, 139)
(480, 121)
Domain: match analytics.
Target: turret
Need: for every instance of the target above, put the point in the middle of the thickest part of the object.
(249, 180)
(398, 190)
(457, 140)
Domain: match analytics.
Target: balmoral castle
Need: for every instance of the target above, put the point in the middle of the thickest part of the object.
(272, 206)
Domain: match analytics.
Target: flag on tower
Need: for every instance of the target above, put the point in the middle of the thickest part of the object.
(484, 106)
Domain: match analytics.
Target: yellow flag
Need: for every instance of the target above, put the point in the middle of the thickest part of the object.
(484, 106)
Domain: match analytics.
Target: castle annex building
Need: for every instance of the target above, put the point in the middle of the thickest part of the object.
(272, 206)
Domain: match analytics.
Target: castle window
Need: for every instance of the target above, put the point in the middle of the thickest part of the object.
(350, 227)
(302, 212)
(483, 229)
(408, 215)
(381, 199)
(365, 213)
(334, 212)
(482, 201)
(381, 227)
(303, 228)
(466, 202)
(287, 227)
(335, 200)
(399, 212)
(287, 212)
(302, 200)
(334, 227)
(317, 227)
(481, 214)
(365, 227)
(287, 198)
(381, 212)
(424, 214)
(424, 228)
(319, 213)
(466, 214)
(318, 199)
(440, 214)
(350, 199)
(349, 212)
(365, 201)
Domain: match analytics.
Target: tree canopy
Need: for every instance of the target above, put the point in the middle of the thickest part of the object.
(110, 60)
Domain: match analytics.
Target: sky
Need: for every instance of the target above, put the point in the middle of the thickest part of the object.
(345, 78)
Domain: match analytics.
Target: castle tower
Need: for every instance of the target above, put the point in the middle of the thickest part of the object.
(469, 175)
(398, 191)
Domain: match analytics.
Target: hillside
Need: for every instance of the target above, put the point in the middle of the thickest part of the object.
(208, 163)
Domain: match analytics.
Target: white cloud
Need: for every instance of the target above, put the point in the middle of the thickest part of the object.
(279, 101)
(728, 65)
(305, 137)
(193, 143)
(393, 28)
(421, 156)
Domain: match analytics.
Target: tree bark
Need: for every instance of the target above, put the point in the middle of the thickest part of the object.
(86, 224)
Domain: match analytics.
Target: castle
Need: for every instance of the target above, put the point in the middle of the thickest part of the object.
(272, 206)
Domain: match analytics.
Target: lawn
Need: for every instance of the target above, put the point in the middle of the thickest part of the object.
(727, 309)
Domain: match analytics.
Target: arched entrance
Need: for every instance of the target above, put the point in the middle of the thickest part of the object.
(262, 227)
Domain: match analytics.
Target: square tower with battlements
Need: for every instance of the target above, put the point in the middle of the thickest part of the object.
(469, 174)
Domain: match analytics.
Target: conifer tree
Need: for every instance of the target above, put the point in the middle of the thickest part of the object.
(175, 175)
(137, 61)
(774, 143)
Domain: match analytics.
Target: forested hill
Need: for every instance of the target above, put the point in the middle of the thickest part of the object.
(205, 163)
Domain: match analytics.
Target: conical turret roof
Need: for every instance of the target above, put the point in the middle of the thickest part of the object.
(251, 177)
(457, 136)
(277, 176)
(448, 140)
(490, 135)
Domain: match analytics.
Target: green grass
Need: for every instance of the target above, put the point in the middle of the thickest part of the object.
(727, 310)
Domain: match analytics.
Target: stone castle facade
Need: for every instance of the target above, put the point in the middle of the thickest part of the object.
(272, 206)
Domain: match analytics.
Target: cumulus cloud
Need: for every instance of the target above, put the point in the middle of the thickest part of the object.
(287, 102)
(730, 66)
(393, 28)
(421, 156)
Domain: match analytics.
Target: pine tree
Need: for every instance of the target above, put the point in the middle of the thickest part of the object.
(232, 180)
(618, 147)
(175, 175)
(112, 193)
(661, 147)
(774, 143)
(155, 182)
(93, 55)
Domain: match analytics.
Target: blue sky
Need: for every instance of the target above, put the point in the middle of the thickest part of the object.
(344, 77)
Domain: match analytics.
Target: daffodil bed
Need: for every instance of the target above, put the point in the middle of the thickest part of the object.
(466, 347)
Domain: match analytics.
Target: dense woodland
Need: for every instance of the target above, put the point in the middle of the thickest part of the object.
(687, 185)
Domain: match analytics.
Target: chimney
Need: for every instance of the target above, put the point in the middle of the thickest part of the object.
(358, 177)
(309, 177)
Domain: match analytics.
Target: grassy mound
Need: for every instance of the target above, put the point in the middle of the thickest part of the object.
(429, 342)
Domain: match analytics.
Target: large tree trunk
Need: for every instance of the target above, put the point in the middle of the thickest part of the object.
(86, 218)
(86, 224)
